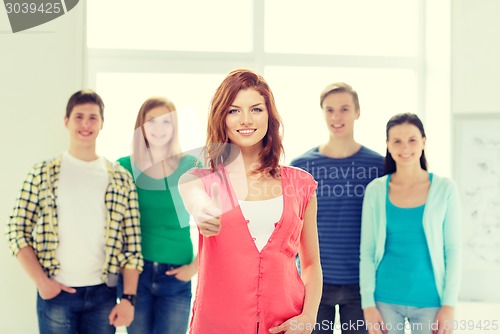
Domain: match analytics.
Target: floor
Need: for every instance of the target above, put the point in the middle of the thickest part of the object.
(471, 318)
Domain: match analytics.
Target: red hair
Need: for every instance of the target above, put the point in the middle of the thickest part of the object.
(217, 137)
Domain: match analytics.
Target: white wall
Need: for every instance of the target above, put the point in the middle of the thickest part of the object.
(475, 89)
(437, 114)
(475, 85)
(39, 70)
(475, 56)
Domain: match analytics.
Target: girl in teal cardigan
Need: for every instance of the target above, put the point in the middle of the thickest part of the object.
(410, 239)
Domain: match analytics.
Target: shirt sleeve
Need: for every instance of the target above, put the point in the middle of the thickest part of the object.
(205, 175)
(307, 186)
(452, 247)
(25, 214)
(132, 252)
(367, 249)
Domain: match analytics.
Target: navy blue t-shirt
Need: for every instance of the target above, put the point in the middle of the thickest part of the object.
(341, 187)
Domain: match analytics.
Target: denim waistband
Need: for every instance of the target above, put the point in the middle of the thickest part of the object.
(160, 265)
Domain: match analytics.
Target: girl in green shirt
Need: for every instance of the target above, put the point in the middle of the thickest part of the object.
(156, 163)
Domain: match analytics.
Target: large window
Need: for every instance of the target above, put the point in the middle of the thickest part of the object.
(395, 53)
(355, 27)
(170, 25)
(297, 90)
(183, 50)
(124, 94)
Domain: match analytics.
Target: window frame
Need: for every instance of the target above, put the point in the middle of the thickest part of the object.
(429, 63)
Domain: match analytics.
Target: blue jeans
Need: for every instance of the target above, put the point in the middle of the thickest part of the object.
(83, 312)
(163, 302)
(420, 319)
(351, 314)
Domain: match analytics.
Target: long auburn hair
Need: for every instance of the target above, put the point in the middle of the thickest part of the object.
(389, 163)
(141, 153)
(217, 137)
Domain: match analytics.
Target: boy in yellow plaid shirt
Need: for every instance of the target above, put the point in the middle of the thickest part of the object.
(75, 226)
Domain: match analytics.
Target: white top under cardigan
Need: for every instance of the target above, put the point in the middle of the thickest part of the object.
(442, 229)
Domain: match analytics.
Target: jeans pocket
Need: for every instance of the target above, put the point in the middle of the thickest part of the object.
(180, 280)
(52, 298)
(174, 277)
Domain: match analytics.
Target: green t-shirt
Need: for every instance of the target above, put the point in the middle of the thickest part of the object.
(164, 219)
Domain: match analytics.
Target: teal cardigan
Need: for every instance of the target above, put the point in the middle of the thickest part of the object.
(442, 230)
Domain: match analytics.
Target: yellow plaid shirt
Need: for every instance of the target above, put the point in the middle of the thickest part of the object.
(33, 221)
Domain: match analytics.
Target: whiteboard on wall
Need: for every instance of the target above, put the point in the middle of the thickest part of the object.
(477, 172)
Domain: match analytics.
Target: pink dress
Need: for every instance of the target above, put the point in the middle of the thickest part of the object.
(239, 288)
